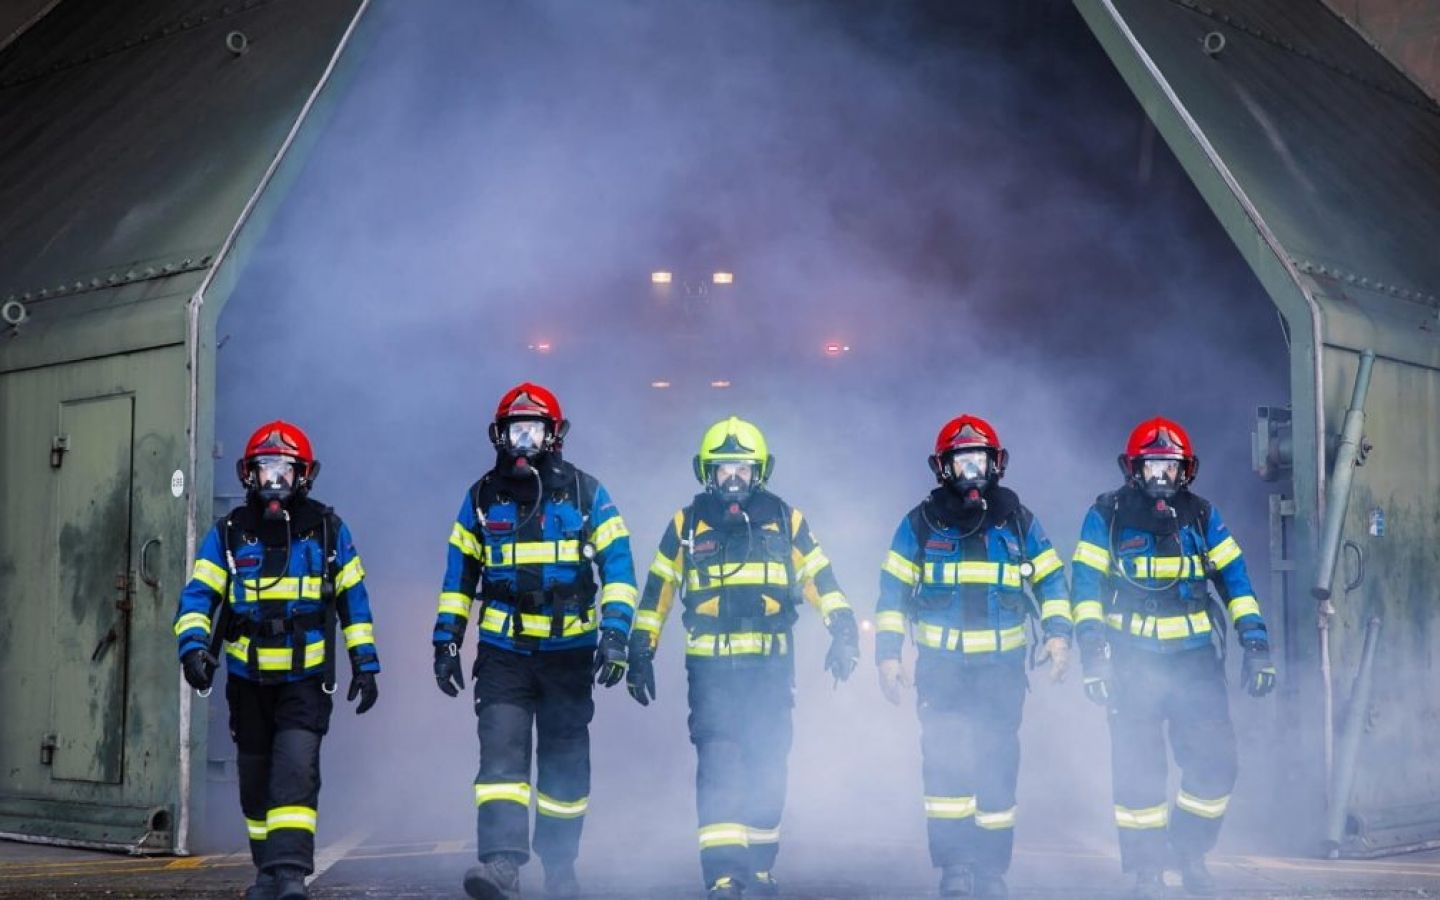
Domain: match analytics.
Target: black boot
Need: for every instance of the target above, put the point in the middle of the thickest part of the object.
(956, 881)
(763, 884)
(560, 881)
(1196, 877)
(989, 884)
(725, 888)
(1149, 885)
(290, 883)
(496, 878)
(263, 888)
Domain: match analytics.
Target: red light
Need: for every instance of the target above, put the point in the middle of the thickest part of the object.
(835, 348)
(541, 346)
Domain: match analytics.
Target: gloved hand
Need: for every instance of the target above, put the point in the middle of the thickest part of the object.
(892, 679)
(1099, 673)
(447, 669)
(844, 652)
(198, 667)
(363, 686)
(1257, 673)
(640, 680)
(1059, 650)
(610, 657)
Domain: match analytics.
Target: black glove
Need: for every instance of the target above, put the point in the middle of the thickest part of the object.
(640, 680)
(844, 652)
(363, 686)
(1099, 673)
(447, 669)
(1257, 672)
(610, 657)
(199, 669)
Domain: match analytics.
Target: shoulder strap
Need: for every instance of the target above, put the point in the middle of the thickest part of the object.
(586, 488)
(481, 493)
(787, 525)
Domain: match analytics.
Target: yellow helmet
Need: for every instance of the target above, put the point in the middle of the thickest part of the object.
(733, 440)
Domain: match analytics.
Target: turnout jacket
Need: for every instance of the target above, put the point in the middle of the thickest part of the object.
(527, 553)
(957, 580)
(739, 580)
(272, 575)
(1140, 574)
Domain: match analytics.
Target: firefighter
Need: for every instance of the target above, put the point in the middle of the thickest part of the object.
(1147, 628)
(530, 534)
(271, 580)
(741, 560)
(955, 578)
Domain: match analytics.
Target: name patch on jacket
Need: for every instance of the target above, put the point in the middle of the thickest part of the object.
(704, 546)
(1134, 543)
(940, 545)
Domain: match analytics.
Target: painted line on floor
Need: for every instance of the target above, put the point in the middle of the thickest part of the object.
(333, 853)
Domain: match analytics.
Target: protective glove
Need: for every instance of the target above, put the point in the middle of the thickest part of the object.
(1059, 650)
(640, 680)
(447, 669)
(892, 679)
(198, 667)
(610, 657)
(363, 686)
(1099, 673)
(1257, 673)
(844, 652)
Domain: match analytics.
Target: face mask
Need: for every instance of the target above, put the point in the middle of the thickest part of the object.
(274, 482)
(1161, 477)
(525, 437)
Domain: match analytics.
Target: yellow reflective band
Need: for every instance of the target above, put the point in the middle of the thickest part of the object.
(1244, 605)
(996, 820)
(560, 809)
(740, 643)
(746, 573)
(1045, 562)
(352, 574)
(210, 575)
(1051, 609)
(725, 834)
(648, 620)
(1224, 553)
(901, 568)
(301, 818)
(256, 829)
(192, 620)
(454, 603)
(811, 564)
(949, 807)
(533, 553)
(1208, 809)
(506, 791)
(286, 589)
(665, 570)
(891, 621)
(1088, 609)
(276, 659)
(1097, 558)
(972, 572)
(497, 621)
(1165, 628)
(939, 637)
(607, 533)
(762, 835)
(832, 602)
(462, 540)
(359, 633)
(1150, 817)
(1157, 567)
(619, 592)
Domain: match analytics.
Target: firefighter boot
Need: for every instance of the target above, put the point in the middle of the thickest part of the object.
(989, 884)
(496, 878)
(263, 888)
(956, 881)
(1149, 885)
(1196, 877)
(560, 881)
(290, 883)
(725, 888)
(763, 884)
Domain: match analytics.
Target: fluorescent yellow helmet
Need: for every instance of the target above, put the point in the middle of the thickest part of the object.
(733, 440)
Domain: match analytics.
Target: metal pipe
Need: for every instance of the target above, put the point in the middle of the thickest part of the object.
(1342, 476)
(1349, 750)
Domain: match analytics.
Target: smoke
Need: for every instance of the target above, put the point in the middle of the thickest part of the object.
(953, 192)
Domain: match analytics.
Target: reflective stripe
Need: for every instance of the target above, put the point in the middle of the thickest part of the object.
(1088, 609)
(619, 592)
(278, 589)
(738, 643)
(511, 791)
(352, 574)
(762, 835)
(746, 573)
(497, 621)
(665, 570)
(192, 620)
(607, 533)
(901, 568)
(891, 621)
(1224, 553)
(359, 633)
(560, 809)
(996, 820)
(1093, 556)
(532, 553)
(1208, 809)
(462, 540)
(210, 575)
(939, 637)
(1045, 562)
(949, 807)
(648, 620)
(1055, 609)
(276, 659)
(832, 602)
(724, 834)
(1244, 605)
(810, 564)
(1150, 817)
(454, 603)
(1165, 628)
(972, 572)
(256, 829)
(300, 818)
(1157, 567)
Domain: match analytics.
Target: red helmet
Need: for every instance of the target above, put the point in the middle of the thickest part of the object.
(530, 401)
(279, 438)
(1159, 439)
(967, 433)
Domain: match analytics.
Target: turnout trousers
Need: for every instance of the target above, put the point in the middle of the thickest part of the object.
(740, 724)
(549, 693)
(277, 730)
(970, 748)
(1187, 690)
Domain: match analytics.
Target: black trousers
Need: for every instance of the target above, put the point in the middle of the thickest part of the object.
(1187, 690)
(551, 694)
(970, 746)
(277, 730)
(740, 724)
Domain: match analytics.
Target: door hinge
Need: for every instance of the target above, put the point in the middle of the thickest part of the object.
(125, 585)
(59, 444)
(47, 749)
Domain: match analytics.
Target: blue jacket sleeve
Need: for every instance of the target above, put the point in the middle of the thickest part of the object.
(203, 593)
(1048, 582)
(464, 561)
(898, 577)
(352, 604)
(611, 540)
(1089, 569)
(1229, 562)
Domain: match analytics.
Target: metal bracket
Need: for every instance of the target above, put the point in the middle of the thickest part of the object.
(59, 446)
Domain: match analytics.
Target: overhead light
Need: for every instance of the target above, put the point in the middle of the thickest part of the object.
(720, 383)
(541, 346)
(660, 277)
(865, 625)
(723, 278)
(835, 348)
(661, 385)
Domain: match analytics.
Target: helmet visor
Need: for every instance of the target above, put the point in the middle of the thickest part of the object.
(274, 473)
(970, 465)
(525, 436)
